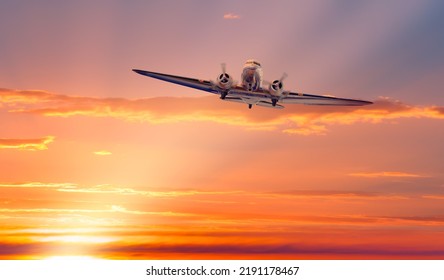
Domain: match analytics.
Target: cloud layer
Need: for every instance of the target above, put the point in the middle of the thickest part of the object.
(386, 174)
(143, 223)
(296, 119)
(27, 144)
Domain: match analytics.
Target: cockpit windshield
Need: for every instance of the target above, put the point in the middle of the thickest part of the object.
(252, 61)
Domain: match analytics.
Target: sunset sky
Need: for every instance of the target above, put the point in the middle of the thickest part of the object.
(99, 162)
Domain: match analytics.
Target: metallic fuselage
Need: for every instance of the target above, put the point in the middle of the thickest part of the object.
(251, 75)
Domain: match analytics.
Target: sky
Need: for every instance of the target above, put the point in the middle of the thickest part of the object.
(99, 162)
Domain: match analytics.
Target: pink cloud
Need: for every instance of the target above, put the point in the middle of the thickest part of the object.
(231, 16)
(386, 174)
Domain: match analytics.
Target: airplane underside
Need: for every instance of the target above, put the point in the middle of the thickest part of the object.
(250, 91)
(250, 101)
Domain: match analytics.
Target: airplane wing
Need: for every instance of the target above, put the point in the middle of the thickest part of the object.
(183, 81)
(311, 99)
(257, 102)
(269, 105)
(260, 97)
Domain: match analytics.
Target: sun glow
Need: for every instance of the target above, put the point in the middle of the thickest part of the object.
(78, 239)
(71, 258)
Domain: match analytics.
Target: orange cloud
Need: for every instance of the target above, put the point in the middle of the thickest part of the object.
(333, 195)
(386, 174)
(12, 97)
(231, 16)
(112, 209)
(433, 197)
(109, 189)
(37, 185)
(103, 153)
(183, 222)
(295, 119)
(27, 144)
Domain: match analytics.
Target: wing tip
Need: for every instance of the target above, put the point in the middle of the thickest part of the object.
(138, 71)
(364, 102)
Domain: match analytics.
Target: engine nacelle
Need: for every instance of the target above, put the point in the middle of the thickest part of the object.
(224, 81)
(276, 88)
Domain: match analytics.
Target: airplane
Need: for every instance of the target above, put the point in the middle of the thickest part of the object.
(251, 90)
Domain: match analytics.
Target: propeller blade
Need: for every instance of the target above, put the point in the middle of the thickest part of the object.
(284, 76)
(223, 66)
